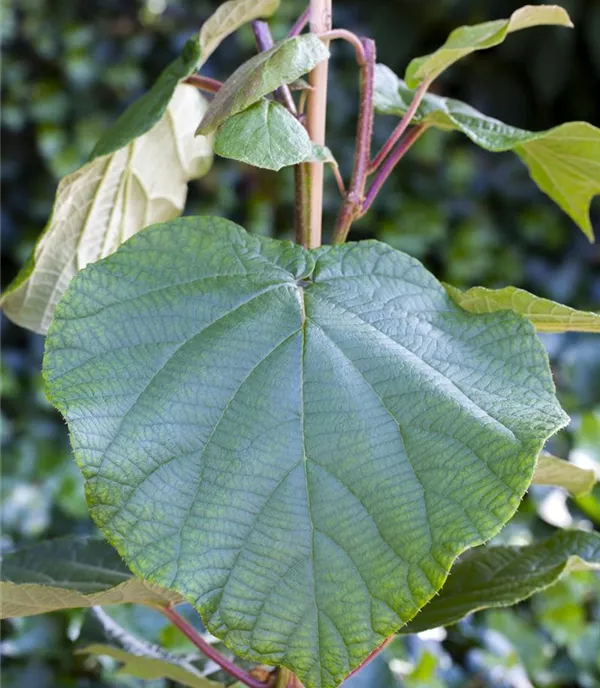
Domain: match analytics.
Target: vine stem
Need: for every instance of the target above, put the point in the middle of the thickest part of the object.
(320, 22)
(192, 634)
(388, 166)
(301, 24)
(264, 40)
(401, 128)
(353, 204)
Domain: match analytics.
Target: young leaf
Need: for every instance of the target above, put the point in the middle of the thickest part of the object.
(546, 315)
(107, 201)
(265, 135)
(261, 75)
(299, 441)
(564, 162)
(71, 572)
(149, 668)
(467, 39)
(229, 17)
(560, 473)
(503, 576)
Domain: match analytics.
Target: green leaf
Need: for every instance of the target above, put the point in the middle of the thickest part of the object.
(564, 162)
(149, 668)
(468, 39)
(265, 135)
(261, 75)
(107, 201)
(146, 111)
(300, 442)
(546, 315)
(321, 154)
(560, 473)
(229, 17)
(71, 572)
(503, 576)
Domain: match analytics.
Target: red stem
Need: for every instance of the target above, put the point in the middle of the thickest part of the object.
(352, 206)
(300, 24)
(192, 634)
(349, 37)
(204, 83)
(388, 166)
(401, 128)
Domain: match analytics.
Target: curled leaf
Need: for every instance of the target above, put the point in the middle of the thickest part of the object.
(468, 39)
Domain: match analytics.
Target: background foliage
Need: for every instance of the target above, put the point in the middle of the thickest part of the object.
(473, 218)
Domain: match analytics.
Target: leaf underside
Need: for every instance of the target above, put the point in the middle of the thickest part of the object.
(109, 200)
(149, 668)
(71, 572)
(560, 473)
(468, 39)
(299, 442)
(546, 315)
(564, 162)
(503, 576)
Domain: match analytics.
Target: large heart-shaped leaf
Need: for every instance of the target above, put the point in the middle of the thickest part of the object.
(265, 135)
(467, 39)
(107, 201)
(261, 75)
(546, 315)
(300, 442)
(150, 668)
(564, 162)
(68, 573)
(503, 576)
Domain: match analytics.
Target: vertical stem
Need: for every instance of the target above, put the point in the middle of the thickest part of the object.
(320, 22)
(352, 206)
(264, 41)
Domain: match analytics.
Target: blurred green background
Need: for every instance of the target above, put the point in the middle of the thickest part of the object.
(69, 68)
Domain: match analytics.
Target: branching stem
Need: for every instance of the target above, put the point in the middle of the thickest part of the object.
(208, 650)
(352, 207)
(388, 166)
(349, 37)
(401, 128)
(300, 24)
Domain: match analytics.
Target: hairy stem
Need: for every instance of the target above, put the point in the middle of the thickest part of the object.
(192, 634)
(388, 166)
(349, 37)
(300, 24)
(204, 83)
(352, 207)
(401, 128)
(320, 22)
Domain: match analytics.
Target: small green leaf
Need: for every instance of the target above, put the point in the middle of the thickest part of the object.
(71, 572)
(265, 135)
(321, 154)
(107, 201)
(467, 39)
(142, 115)
(564, 162)
(299, 441)
(560, 473)
(229, 17)
(261, 75)
(149, 668)
(546, 315)
(503, 576)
